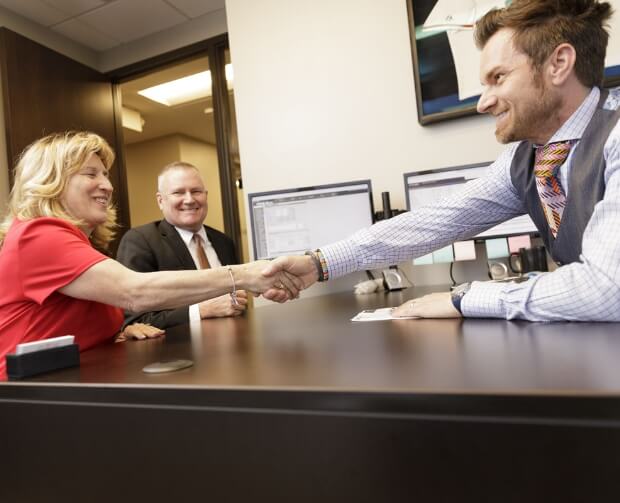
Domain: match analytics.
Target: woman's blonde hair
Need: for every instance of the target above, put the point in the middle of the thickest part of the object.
(41, 176)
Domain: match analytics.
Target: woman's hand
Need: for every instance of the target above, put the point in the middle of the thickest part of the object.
(139, 331)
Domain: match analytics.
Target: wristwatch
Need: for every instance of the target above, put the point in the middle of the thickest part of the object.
(457, 294)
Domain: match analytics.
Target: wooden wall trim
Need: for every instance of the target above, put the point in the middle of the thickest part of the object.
(214, 48)
(44, 92)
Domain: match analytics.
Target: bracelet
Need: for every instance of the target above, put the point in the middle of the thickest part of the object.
(233, 294)
(320, 263)
(323, 262)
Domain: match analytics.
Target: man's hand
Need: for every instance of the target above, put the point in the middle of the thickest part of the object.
(300, 266)
(435, 305)
(139, 331)
(223, 306)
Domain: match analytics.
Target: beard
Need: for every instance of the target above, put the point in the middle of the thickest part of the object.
(534, 115)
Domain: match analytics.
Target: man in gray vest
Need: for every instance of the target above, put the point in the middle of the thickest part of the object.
(542, 67)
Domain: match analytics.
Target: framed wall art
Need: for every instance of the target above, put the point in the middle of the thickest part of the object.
(446, 62)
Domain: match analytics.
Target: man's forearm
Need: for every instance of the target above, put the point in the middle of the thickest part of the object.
(574, 292)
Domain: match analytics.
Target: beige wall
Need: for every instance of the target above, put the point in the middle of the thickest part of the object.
(324, 93)
(144, 161)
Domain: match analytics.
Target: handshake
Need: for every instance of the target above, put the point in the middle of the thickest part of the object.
(280, 279)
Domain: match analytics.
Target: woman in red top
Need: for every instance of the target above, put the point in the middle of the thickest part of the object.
(54, 282)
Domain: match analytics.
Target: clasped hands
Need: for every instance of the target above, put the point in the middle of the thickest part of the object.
(278, 280)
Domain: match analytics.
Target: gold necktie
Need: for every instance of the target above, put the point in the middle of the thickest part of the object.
(200, 252)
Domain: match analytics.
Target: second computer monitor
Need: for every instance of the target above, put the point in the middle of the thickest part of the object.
(287, 222)
(427, 187)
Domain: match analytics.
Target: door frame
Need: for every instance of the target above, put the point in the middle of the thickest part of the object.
(214, 48)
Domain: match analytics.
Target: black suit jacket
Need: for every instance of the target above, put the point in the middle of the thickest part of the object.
(158, 247)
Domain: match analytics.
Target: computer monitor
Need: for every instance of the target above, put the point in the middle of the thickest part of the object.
(427, 187)
(290, 221)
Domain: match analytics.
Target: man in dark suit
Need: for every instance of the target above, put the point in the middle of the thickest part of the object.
(180, 241)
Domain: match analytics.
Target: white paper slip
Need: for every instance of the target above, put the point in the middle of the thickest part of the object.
(54, 342)
(385, 313)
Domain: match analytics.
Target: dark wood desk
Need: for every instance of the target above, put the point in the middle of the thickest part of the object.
(295, 403)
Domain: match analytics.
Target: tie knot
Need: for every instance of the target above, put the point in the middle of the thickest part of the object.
(197, 239)
(550, 157)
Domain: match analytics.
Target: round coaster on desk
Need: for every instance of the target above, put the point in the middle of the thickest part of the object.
(167, 366)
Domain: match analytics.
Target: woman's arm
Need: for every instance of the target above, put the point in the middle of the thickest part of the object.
(109, 282)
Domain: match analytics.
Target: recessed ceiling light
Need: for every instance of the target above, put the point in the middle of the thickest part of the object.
(191, 88)
(175, 92)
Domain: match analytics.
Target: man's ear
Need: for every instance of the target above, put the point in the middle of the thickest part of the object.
(158, 196)
(561, 63)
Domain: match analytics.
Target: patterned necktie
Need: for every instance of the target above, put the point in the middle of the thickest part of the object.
(549, 158)
(203, 261)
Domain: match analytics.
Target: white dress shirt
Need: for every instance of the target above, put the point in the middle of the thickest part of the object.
(581, 291)
(214, 261)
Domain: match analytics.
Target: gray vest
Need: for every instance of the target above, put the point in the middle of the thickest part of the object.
(586, 184)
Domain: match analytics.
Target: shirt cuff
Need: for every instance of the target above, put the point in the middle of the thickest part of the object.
(485, 299)
(194, 313)
(340, 259)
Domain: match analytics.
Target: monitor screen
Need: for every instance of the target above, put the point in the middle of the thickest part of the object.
(427, 187)
(286, 222)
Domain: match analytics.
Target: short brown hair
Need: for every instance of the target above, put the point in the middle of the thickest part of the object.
(541, 25)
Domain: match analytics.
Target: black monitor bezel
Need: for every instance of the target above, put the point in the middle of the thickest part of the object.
(254, 195)
(457, 168)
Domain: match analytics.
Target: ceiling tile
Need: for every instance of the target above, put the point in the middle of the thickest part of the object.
(85, 35)
(35, 10)
(75, 7)
(195, 8)
(128, 20)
